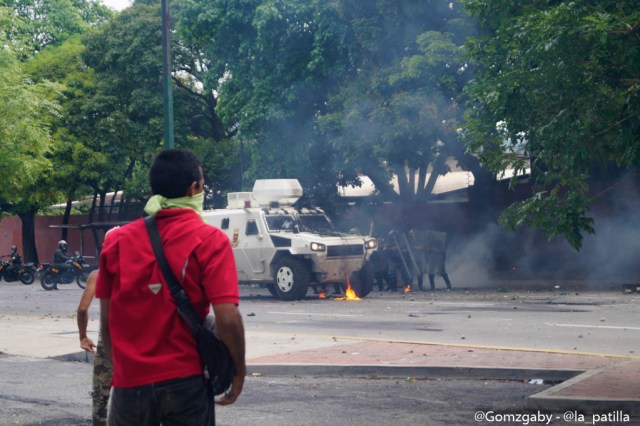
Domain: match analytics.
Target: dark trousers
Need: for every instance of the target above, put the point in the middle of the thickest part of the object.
(178, 402)
(433, 283)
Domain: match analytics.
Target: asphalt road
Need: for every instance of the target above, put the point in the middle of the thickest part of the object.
(575, 321)
(563, 320)
(56, 393)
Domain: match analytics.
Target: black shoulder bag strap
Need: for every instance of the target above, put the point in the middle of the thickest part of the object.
(185, 309)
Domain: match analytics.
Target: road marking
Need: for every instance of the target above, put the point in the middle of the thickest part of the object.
(614, 327)
(318, 315)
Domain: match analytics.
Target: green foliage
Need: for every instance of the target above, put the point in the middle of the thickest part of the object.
(339, 87)
(120, 120)
(73, 136)
(561, 79)
(44, 35)
(397, 114)
(272, 64)
(25, 114)
(35, 24)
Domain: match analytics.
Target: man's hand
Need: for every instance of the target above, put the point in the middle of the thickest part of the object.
(230, 396)
(231, 331)
(88, 345)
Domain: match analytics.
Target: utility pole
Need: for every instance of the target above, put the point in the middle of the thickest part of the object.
(166, 76)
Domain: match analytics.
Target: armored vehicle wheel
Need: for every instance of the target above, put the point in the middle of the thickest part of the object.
(362, 281)
(292, 279)
(48, 281)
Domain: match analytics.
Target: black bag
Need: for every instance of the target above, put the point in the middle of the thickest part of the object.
(216, 359)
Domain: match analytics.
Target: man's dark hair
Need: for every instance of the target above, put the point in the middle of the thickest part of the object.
(173, 171)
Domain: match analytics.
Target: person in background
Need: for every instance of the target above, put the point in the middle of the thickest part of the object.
(16, 259)
(380, 265)
(436, 255)
(102, 366)
(61, 255)
(418, 238)
(158, 375)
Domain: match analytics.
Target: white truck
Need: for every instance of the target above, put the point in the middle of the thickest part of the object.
(288, 249)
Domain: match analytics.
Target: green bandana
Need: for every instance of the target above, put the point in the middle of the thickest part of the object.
(158, 202)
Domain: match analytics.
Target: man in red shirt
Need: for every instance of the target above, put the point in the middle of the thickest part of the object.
(158, 376)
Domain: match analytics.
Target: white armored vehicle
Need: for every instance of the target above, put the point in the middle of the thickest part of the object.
(289, 249)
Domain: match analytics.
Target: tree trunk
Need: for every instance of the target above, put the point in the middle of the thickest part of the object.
(30, 252)
(422, 181)
(93, 205)
(406, 195)
(431, 183)
(481, 194)
(112, 203)
(412, 182)
(381, 182)
(65, 219)
(103, 196)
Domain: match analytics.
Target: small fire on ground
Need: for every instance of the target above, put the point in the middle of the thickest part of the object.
(349, 293)
(407, 288)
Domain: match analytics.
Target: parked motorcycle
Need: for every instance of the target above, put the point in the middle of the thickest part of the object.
(74, 269)
(25, 272)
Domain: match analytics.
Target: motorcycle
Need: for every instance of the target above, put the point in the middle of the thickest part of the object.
(25, 272)
(74, 269)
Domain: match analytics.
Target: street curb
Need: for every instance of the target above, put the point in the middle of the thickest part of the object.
(81, 356)
(404, 371)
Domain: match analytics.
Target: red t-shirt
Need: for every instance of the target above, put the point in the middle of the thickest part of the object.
(150, 341)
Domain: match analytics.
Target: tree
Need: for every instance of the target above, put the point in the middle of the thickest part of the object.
(556, 88)
(71, 154)
(397, 112)
(35, 24)
(272, 64)
(125, 120)
(342, 88)
(28, 26)
(25, 112)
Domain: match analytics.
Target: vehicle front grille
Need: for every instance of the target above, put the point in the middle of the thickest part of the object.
(350, 250)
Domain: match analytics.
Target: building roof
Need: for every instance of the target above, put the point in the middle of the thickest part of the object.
(452, 181)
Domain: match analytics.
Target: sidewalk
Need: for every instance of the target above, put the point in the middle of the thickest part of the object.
(588, 383)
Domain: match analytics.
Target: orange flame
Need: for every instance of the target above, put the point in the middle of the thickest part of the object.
(349, 293)
(322, 294)
(407, 288)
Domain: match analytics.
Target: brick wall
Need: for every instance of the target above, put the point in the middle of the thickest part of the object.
(47, 237)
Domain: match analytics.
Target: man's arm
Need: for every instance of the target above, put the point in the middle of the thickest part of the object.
(104, 327)
(82, 315)
(231, 331)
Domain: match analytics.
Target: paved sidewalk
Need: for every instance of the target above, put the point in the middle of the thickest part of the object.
(589, 383)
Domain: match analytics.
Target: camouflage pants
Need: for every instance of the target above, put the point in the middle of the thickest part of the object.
(102, 372)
